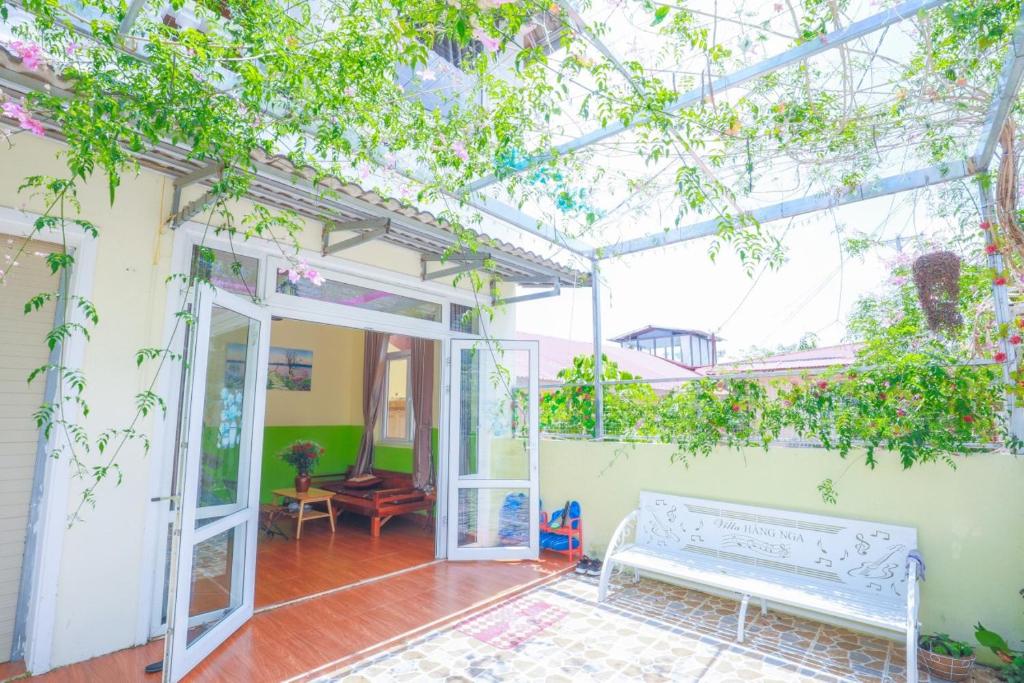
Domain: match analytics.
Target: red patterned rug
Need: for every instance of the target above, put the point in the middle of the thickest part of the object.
(513, 624)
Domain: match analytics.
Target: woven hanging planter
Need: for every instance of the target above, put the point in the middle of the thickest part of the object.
(937, 278)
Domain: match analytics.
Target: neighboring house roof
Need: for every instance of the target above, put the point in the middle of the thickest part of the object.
(281, 184)
(557, 353)
(646, 330)
(794, 361)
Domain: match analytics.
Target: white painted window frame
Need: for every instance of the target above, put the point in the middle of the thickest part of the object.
(382, 427)
(150, 623)
(53, 509)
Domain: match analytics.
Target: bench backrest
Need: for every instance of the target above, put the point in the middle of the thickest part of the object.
(863, 557)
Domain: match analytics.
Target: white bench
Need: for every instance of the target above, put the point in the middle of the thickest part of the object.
(856, 571)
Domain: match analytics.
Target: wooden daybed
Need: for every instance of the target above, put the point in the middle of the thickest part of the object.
(393, 496)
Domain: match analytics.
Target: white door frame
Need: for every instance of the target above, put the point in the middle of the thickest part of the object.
(270, 258)
(532, 484)
(244, 515)
(40, 619)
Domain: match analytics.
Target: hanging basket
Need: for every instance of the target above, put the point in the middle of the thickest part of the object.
(937, 278)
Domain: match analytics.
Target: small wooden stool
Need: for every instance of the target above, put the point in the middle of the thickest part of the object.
(309, 497)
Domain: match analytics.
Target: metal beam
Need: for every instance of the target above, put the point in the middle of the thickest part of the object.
(1001, 307)
(854, 31)
(556, 289)
(192, 209)
(367, 230)
(1002, 100)
(130, 16)
(914, 180)
(595, 294)
(201, 173)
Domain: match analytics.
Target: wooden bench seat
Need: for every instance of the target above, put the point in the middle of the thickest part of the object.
(859, 572)
(394, 496)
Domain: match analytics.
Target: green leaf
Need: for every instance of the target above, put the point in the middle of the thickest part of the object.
(660, 14)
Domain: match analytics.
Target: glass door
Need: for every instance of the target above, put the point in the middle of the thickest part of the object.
(213, 543)
(493, 484)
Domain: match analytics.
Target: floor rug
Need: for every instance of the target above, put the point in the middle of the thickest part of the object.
(512, 624)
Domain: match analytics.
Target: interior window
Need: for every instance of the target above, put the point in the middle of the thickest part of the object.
(397, 423)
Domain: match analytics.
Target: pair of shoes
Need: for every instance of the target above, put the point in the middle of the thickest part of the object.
(588, 566)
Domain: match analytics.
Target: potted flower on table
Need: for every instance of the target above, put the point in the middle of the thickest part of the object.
(303, 456)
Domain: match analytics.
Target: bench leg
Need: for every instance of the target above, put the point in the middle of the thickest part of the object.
(764, 607)
(742, 618)
(602, 586)
(911, 656)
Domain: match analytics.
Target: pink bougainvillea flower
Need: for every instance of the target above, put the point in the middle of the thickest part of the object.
(985, 225)
(991, 249)
(1015, 339)
(315, 277)
(999, 357)
(16, 111)
(999, 281)
(31, 54)
(459, 150)
(490, 43)
(71, 48)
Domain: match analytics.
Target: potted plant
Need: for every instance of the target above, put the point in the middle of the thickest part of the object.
(303, 456)
(1014, 660)
(950, 659)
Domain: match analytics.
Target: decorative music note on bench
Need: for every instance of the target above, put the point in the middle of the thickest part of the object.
(824, 560)
(846, 553)
(862, 545)
(696, 538)
(884, 535)
(875, 586)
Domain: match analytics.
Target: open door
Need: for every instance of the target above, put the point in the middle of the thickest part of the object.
(493, 504)
(213, 544)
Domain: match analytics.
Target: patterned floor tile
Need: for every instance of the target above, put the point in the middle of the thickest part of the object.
(648, 631)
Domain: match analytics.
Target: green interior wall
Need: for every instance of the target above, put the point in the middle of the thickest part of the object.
(340, 442)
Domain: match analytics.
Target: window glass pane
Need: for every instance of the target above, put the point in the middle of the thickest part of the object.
(232, 272)
(396, 419)
(493, 518)
(217, 577)
(346, 294)
(464, 319)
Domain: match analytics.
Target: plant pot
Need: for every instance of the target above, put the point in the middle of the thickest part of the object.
(946, 667)
(302, 482)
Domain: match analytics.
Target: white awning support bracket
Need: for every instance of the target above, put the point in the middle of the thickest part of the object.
(362, 231)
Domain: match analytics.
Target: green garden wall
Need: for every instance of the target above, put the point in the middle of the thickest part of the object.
(969, 520)
(340, 442)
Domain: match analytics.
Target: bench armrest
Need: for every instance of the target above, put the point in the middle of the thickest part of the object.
(622, 532)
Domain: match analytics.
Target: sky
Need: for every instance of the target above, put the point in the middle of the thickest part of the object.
(679, 286)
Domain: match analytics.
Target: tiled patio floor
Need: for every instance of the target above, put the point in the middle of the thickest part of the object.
(650, 631)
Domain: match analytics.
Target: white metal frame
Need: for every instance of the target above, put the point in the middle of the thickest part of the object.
(181, 657)
(53, 507)
(457, 483)
(269, 255)
(382, 426)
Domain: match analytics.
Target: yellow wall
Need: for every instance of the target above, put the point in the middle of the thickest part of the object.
(104, 587)
(968, 520)
(335, 397)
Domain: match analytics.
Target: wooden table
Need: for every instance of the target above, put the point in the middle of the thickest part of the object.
(310, 496)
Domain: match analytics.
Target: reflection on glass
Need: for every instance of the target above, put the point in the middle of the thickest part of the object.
(492, 518)
(226, 426)
(335, 292)
(232, 272)
(217, 576)
(493, 414)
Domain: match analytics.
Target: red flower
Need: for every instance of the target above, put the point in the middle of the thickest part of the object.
(823, 385)
(735, 407)
(1000, 357)
(882, 396)
(991, 249)
(1015, 339)
(901, 412)
(1000, 281)
(985, 225)
(968, 419)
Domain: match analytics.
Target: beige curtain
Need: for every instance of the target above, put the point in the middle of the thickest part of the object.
(423, 412)
(375, 353)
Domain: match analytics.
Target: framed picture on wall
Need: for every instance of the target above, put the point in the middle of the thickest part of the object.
(290, 369)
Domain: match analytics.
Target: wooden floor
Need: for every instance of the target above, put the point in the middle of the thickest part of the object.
(287, 569)
(303, 639)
